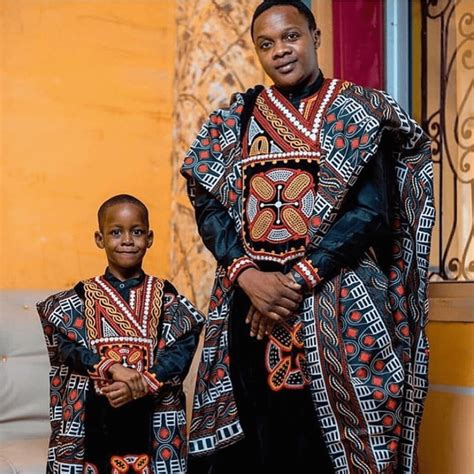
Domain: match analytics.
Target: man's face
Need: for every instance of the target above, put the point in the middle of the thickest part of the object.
(286, 47)
(125, 237)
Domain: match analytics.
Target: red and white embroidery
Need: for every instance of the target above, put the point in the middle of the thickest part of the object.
(312, 133)
(279, 204)
(307, 272)
(238, 265)
(121, 332)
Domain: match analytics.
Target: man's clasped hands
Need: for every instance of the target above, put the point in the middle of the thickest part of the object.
(274, 296)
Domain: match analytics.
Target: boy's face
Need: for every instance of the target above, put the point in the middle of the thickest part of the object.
(125, 237)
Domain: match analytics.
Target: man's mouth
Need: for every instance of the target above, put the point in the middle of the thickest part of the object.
(286, 67)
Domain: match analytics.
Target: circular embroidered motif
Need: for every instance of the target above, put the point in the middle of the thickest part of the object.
(279, 205)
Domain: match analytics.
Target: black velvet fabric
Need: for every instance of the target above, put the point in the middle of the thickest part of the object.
(116, 431)
(281, 430)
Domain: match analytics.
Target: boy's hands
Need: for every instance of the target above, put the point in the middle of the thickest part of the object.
(132, 378)
(117, 393)
(274, 295)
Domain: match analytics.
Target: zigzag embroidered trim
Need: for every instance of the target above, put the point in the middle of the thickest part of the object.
(153, 383)
(101, 370)
(307, 272)
(306, 155)
(271, 258)
(119, 302)
(237, 266)
(313, 133)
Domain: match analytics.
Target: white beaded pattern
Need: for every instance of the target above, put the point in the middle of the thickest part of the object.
(275, 258)
(307, 271)
(313, 133)
(239, 264)
(307, 155)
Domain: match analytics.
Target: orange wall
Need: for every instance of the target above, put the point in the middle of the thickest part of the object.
(86, 104)
(86, 112)
(447, 431)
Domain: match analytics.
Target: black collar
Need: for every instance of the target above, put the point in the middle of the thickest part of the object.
(296, 94)
(130, 283)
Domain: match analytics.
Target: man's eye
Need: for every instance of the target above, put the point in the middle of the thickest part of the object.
(265, 45)
(292, 36)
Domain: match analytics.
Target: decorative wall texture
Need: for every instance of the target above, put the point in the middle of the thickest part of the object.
(214, 59)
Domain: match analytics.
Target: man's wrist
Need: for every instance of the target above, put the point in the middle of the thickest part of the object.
(238, 266)
(245, 274)
(113, 368)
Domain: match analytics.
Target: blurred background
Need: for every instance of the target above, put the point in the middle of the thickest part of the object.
(101, 97)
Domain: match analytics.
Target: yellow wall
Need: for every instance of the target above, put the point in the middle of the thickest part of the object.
(86, 103)
(447, 431)
(86, 112)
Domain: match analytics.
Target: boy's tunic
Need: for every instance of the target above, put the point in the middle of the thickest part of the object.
(302, 191)
(141, 323)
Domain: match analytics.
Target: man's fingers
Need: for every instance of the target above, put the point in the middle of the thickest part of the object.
(118, 402)
(289, 282)
(290, 294)
(254, 324)
(262, 328)
(250, 314)
(270, 325)
(144, 385)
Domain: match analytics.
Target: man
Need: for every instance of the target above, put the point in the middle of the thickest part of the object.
(315, 198)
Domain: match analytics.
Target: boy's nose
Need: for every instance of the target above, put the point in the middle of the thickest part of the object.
(127, 238)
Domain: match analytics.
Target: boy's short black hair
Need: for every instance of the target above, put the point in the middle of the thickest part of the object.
(298, 4)
(120, 199)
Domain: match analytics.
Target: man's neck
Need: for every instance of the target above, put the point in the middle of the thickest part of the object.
(300, 92)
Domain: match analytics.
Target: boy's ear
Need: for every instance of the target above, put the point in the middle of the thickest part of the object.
(150, 237)
(99, 239)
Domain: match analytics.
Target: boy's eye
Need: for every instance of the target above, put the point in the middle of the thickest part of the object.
(138, 232)
(115, 232)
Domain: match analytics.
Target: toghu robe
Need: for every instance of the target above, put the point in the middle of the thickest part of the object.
(88, 328)
(362, 327)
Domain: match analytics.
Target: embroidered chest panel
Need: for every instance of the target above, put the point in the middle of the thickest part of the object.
(125, 331)
(280, 164)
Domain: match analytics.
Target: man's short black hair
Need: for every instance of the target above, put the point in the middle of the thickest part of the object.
(298, 4)
(120, 199)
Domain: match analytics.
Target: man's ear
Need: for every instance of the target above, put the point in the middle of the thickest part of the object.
(317, 38)
(99, 239)
(150, 238)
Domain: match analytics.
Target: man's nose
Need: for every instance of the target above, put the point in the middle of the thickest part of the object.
(280, 49)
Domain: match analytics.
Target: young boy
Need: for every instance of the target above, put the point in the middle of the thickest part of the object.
(120, 346)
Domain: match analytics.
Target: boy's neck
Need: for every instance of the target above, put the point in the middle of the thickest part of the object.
(124, 274)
